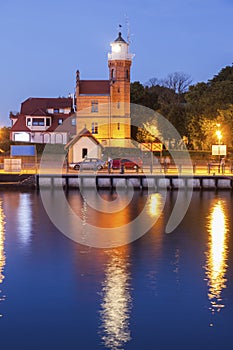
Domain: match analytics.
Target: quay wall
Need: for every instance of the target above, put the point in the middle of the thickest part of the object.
(140, 181)
(113, 181)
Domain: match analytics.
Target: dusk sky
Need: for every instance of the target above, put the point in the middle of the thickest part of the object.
(44, 42)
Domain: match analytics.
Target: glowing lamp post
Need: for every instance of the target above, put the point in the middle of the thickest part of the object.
(219, 136)
(219, 149)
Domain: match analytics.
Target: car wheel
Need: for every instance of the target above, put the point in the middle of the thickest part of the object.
(76, 167)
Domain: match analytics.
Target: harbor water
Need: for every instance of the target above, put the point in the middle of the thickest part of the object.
(161, 291)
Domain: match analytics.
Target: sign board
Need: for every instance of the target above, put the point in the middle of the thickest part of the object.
(12, 165)
(152, 146)
(219, 150)
(23, 151)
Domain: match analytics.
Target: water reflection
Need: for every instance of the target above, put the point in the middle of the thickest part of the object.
(116, 302)
(216, 264)
(2, 254)
(24, 216)
(155, 204)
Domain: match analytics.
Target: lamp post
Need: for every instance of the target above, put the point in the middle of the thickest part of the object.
(219, 136)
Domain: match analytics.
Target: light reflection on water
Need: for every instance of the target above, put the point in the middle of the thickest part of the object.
(2, 254)
(217, 254)
(24, 216)
(116, 300)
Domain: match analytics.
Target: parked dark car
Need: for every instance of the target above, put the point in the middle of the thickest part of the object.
(117, 163)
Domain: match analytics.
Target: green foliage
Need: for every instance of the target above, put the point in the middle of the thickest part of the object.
(5, 139)
(225, 74)
(208, 104)
(166, 97)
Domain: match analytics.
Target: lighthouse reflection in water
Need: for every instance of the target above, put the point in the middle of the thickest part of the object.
(162, 290)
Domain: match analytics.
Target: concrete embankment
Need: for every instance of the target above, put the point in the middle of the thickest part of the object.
(137, 181)
(113, 181)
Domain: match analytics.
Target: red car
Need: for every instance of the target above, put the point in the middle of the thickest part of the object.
(117, 163)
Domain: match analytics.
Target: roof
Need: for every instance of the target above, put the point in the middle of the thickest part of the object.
(20, 124)
(83, 133)
(66, 126)
(34, 105)
(119, 39)
(94, 87)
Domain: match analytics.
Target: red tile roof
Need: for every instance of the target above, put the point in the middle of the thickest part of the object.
(35, 105)
(83, 133)
(66, 126)
(20, 124)
(94, 87)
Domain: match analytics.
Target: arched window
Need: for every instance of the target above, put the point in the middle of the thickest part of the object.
(127, 74)
(94, 128)
(112, 73)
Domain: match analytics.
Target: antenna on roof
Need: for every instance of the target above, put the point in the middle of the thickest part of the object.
(128, 29)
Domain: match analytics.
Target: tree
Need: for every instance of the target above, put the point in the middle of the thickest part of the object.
(178, 82)
(224, 75)
(137, 92)
(5, 138)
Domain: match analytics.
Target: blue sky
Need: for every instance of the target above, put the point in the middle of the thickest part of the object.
(44, 42)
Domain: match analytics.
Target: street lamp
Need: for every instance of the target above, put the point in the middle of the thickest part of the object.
(219, 136)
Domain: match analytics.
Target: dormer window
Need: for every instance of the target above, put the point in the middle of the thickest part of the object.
(56, 110)
(60, 121)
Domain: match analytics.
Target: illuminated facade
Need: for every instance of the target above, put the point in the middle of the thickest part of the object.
(44, 120)
(103, 106)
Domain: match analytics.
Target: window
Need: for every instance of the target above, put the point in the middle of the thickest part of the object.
(127, 74)
(21, 136)
(118, 104)
(47, 122)
(94, 128)
(118, 126)
(94, 106)
(84, 152)
(73, 121)
(56, 110)
(29, 122)
(112, 73)
(60, 121)
(38, 121)
(61, 110)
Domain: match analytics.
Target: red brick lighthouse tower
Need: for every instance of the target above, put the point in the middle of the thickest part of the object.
(119, 63)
